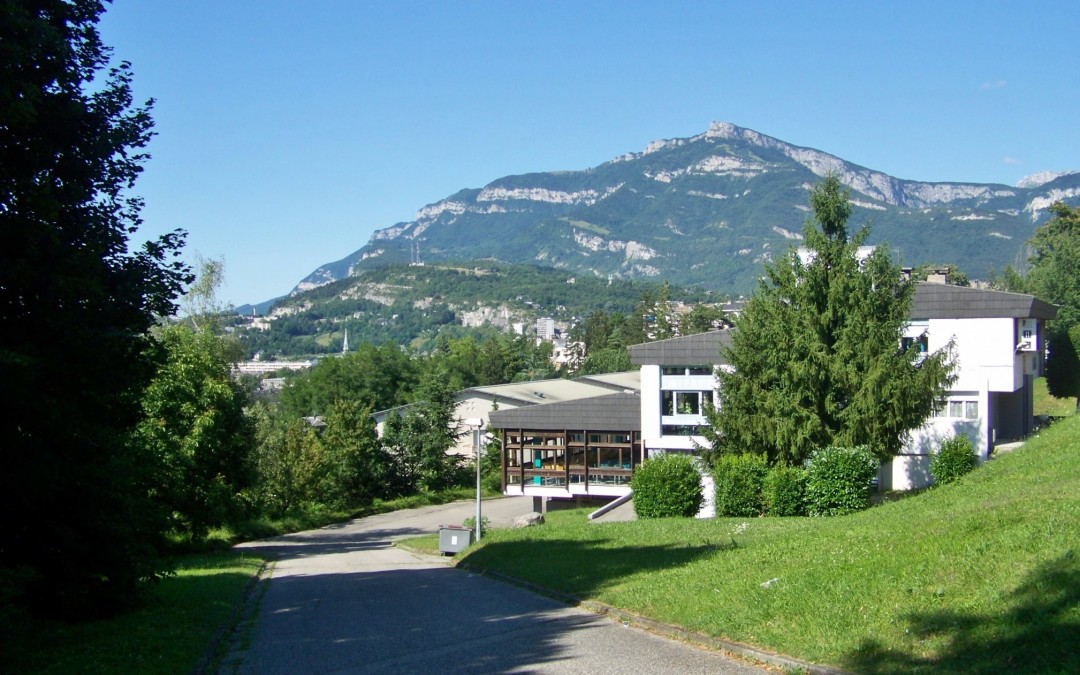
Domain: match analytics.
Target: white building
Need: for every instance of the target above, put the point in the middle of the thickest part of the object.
(998, 341)
(545, 329)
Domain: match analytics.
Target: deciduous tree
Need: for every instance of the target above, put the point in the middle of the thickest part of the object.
(197, 430)
(1055, 277)
(76, 306)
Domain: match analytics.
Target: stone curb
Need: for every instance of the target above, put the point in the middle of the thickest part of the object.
(746, 652)
(227, 631)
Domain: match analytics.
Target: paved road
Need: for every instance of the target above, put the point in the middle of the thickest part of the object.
(342, 599)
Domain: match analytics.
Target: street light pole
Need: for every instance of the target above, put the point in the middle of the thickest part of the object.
(477, 442)
(477, 424)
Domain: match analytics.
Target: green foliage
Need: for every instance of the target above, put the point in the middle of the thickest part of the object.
(666, 486)
(299, 467)
(195, 426)
(739, 482)
(815, 357)
(838, 480)
(954, 458)
(286, 458)
(427, 301)
(606, 361)
(954, 275)
(380, 377)
(1055, 277)
(354, 468)
(491, 467)
(470, 524)
(979, 578)
(784, 491)
(76, 307)
(418, 440)
(702, 319)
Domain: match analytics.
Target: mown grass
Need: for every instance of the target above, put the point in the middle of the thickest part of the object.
(1045, 404)
(169, 633)
(979, 576)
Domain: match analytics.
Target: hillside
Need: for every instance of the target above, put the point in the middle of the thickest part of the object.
(407, 304)
(979, 576)
(707, 211)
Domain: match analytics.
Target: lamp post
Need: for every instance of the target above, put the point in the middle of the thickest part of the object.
(476, 424)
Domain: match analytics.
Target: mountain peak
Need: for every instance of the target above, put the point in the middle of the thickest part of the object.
(1041, 178)
(707, 211)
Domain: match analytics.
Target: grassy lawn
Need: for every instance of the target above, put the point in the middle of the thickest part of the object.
(981, 576)
(170, 633)
(1045, 404)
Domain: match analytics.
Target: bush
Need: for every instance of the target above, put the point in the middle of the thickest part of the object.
(838, 480)
(739, 482)
(667, 485)
(470, 524)
(955, 458)
(784, 491)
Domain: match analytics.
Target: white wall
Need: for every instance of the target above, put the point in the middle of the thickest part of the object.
(650, 405)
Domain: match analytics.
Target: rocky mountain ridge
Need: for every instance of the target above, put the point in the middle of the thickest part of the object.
(708, 211)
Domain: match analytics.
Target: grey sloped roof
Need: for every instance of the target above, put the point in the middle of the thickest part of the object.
(690, 350)
(939, 301)
(630, 380)
(613, 412)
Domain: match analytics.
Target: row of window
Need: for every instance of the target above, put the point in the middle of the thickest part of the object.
(964, 410)
(556, 460)
(686, 370)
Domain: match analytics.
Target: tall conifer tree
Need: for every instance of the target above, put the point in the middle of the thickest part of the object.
(816, 353)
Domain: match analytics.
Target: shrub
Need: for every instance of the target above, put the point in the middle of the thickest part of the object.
(784, 491)
(838, 480)
(470, 524)
(667, 485)
(739, 481)
(955, 458)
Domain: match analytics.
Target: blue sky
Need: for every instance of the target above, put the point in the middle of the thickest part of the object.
(289, 131)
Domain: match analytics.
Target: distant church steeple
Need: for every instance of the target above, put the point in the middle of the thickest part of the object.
(345, 343)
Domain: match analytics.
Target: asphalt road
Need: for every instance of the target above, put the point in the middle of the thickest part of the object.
(342, 599)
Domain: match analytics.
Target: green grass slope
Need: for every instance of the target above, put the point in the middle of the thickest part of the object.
(979, 576)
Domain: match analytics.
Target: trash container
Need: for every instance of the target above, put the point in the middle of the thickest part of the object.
(454, 538)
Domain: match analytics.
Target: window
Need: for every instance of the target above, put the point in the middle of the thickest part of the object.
(921, 343)
(683, 402)
(971, 410)
(962, 410)
(688, 403)
(686, 370)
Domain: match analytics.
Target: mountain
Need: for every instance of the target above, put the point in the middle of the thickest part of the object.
(707, 211)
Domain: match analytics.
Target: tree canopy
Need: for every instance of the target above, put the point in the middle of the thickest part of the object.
(1054, 276)
(815, 356)
(75, 309)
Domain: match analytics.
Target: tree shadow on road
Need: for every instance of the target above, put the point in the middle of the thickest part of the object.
(436, 619)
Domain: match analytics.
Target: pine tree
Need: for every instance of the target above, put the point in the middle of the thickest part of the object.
(816, 357)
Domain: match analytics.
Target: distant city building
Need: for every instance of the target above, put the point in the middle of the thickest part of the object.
(545, 329)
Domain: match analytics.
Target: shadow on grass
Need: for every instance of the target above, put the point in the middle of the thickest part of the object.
(582, 568)
(169, 633)
(1040, 632)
